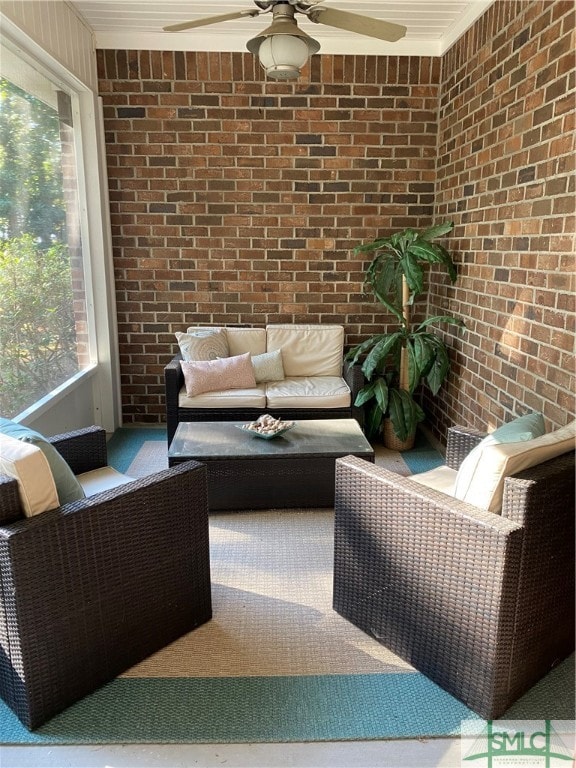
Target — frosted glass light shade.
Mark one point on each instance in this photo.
(282, 56)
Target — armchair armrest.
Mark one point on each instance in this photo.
(10, 508)
(82, 449)
(173, 381)
(461, 440)
(355, 379)
(173, 375)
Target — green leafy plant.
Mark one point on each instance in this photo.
(396, 363)
(37, 328)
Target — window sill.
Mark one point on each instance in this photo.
(56, 395)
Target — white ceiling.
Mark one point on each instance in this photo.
(433, 25)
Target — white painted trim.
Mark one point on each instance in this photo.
(53, 30)
(96, 239)
(472, 13)
(97, 229)
(196, 41)
(33, 53)
(56, 395)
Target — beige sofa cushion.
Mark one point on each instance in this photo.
(308, 350)
(241, 340)
(308, 392)
(29, 467)
(231, 398)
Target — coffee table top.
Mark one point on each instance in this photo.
(222, 439)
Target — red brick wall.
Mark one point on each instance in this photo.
(505, 176)
(236, 200)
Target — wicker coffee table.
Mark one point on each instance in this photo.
(295, 469)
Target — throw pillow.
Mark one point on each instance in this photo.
(28, 466)
(480, 478)
(67, 485)
(216, 375)
(523, 428)
(203, 344)
(268, 366)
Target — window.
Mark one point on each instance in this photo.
(44, 333)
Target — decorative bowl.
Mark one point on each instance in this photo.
(267, 427)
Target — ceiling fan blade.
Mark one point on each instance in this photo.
(211, 20)
(354, 22)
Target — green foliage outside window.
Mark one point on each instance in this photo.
(37, 331)
(37, 326)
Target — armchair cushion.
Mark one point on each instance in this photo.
(493, 462)
(67, 486)
(441, 479)
(29, 467)
(102, 479)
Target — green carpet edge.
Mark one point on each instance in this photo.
(250, 709)
(125, 443)
(280, 709)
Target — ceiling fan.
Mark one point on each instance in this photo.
(283, 48)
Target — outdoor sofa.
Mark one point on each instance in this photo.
(299, 372)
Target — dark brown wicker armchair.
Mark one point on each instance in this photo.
(93, 587)
(482, 604)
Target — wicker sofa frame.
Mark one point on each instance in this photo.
(482, 604)
(91, 588)
(174, 381)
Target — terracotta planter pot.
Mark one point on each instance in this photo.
(393, 442)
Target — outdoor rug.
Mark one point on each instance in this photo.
(276, 663)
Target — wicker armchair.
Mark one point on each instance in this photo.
(482, 604)
(93, 587)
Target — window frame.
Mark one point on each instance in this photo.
(101, 376)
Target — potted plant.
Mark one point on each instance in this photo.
(397, 362)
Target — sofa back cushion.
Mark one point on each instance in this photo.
(29, 467)
(240, 340)
(308, 350)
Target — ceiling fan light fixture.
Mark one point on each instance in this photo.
(283, 48)
(283, 56)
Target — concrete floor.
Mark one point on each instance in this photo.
(425, 753)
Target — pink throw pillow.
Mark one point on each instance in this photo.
(216, 375)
